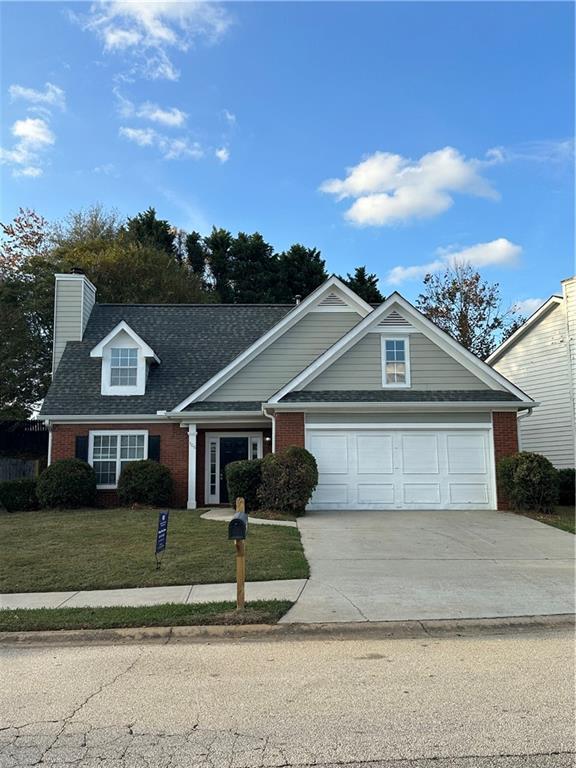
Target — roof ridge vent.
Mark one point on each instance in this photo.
(394, 319)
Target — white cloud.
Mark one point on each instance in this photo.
(230, 117)
(548, 151)
(170, 148)
(223, 154)
(106, 169)
(499, 252)
(388, 189)
(527, 307)
(51, 96)
(34, 137)
(149, 30)
(171, 117)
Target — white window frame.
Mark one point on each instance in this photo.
(122, 389)
(396, 337)
(121, 349)
(118, 433)
(255, 439)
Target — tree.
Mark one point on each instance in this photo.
(86, 225)
(25, 236)
(196, 254)
(365, 285)
(466, 307)
(300, 271)
(146, 229)
(218, 244)
(253, 269)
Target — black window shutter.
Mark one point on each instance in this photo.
(82, 447)
(154, 447)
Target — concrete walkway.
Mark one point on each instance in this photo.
(286, 589)
(224, 515)
(404, 565)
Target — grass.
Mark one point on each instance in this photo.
(268, 514)
(167, 615)
(562, 517)
(48, 551)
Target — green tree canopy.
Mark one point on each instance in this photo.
(147, 229)
(300, 271)
(365, 285)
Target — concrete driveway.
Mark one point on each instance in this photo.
(394, 566)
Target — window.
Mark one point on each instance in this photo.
(123, 367)
(109, 452)
(395, 363)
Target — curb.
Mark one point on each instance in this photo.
(430, 628)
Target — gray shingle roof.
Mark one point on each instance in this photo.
(401, 396)
(193, 343)
(236, 405)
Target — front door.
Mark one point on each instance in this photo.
(231, 449)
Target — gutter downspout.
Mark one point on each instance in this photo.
(522, 415)
(273, 420)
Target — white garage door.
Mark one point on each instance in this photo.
(396, 469)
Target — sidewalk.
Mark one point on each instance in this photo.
(286, 589)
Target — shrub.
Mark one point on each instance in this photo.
(244, 479)
(18, 495)
(529, 481)
(288, 480)
(145, 482)
(67, 483)
(566, 487)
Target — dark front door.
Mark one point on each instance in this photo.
(231, 449)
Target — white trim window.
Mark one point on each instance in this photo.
(109, 451)
(395, 361)
(123, 367)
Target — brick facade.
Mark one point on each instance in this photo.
(505, 432)
(173, 453)
(289, 429)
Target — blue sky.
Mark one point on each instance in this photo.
(396, 135)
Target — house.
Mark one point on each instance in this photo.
(397, 413)
(540, 357)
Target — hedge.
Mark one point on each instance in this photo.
(288, 480)
(529, 481)
(145, 482)
(18, 495)
(67, 483)
(566, 487)
(244, 478)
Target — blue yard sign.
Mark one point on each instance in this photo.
(162, 533)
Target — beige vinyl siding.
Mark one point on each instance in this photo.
(446, 417)
(539, 364)
(286, 356)
(89, 299)
(67, 316)
(361, 368)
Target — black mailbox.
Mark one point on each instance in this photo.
(238, 526)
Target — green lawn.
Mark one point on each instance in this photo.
(562, 517)
(48, 551)
(167, 615)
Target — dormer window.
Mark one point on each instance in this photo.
(123, 367)
(395, 362)
(126, 360)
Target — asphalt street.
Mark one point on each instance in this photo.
(503, 700)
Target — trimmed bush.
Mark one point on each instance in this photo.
(18, 495)
(145, 482)
(68, 483)
(566, 487)
(529, 481)
(288, 480)
(244, 478)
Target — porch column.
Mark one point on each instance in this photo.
(191, 466)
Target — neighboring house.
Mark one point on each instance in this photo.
(540, 357)
(397, 413)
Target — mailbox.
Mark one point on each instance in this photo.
(238, 526)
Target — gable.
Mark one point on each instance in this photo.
(441, 362)
(360, 367)
(287, 356)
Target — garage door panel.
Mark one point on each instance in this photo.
(420, 454)
(374, 454)
(331, 452)
(375, 493)
(403, 468)
(468, 493)
(331, 493)
(422, 493)
(467, 454)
